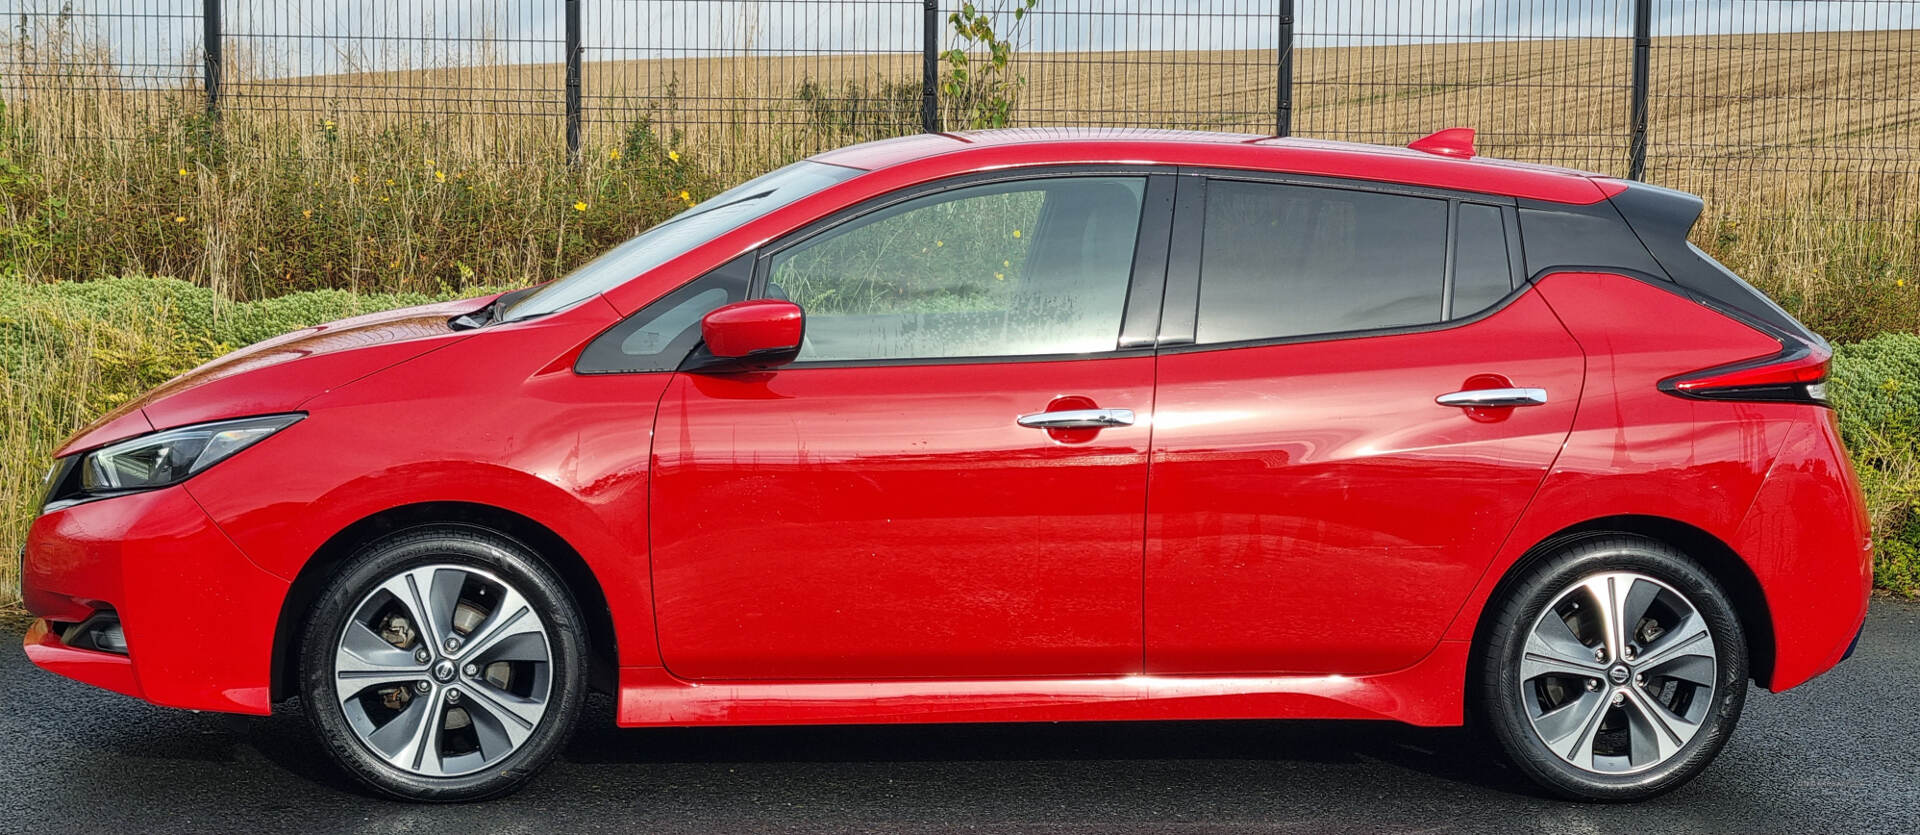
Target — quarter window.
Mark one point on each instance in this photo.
(660, 335)
(1286, 260)
(1482, 273)
(1037, 267)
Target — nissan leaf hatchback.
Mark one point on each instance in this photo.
(1005, 426)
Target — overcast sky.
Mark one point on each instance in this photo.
(303, 37)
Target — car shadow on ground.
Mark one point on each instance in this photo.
(1454, 755)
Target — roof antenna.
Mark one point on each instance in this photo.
(1452, 142)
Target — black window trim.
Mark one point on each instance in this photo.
(1144, 284)
(1179, 325)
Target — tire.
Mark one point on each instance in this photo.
(1649, 708)
(416, 720)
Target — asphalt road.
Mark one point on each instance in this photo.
(1841, 754)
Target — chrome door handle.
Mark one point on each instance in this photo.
(1078, 419)
(1494, 398)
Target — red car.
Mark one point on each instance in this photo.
(1026, 425)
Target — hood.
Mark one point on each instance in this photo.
(282, 373)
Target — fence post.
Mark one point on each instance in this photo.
(573, 82)
(930, 68)
(1642, 49)
(210, 53)
(1283, 110)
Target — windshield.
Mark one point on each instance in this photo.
(723, 212)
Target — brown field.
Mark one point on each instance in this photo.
(445, 180)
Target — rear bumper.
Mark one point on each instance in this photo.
(1809, 542)
(197, 615)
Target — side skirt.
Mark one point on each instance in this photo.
(1429, 693)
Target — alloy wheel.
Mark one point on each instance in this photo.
(1618, 673)
(443, 670)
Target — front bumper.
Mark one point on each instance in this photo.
(198, 616)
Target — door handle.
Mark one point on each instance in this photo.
(1078, 419)
(1494, 398)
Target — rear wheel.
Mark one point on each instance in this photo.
(444, 663)
(1614, 670)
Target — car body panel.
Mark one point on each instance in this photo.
(198, 614)
(279, 374)
(405, 412)
(1314, 510)
(896, 522)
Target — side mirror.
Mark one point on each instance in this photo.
(750, 336)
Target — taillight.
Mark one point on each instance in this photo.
(1797, 374)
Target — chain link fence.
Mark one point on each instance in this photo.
(1806, 101)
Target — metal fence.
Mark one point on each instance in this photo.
(1815, 99)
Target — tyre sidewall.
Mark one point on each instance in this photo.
(1501, 699)
(499, 555)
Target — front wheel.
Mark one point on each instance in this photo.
(444, 663)
(1615, 669)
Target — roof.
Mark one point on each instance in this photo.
(978, 150)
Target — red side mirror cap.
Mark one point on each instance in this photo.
(754, 334)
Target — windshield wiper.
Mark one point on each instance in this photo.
(482, 317)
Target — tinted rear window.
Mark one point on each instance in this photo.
(1286, 260)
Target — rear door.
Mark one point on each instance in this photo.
(950, 481)
(1314, 507)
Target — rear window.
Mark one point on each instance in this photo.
(1282, 260)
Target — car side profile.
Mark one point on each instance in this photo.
(1021, 425)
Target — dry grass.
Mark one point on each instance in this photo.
(439, 180)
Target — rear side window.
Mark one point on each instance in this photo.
(1282, 260)
(1482, 273)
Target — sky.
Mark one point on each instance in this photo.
(158, 40)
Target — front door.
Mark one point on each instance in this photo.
(950, 481)
(1317, 506)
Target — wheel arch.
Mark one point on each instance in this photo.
(566, 561)
(1722, 563)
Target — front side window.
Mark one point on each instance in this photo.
(1030, 268)
(1288, 260)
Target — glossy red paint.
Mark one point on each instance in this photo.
(933, 536)
(1452, 142)
(758, 327)
(1315, 511)
(886, 543)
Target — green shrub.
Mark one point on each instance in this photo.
(1875, 384)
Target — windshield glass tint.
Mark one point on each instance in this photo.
(721, 213)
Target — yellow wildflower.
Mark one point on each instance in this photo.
(389, 181)
(306, 213)
(179, 218)
(579, 205)
(685, 196)
(939, 243)
(429, 163)
(613, 154)
(1016, 233)
(673, 156)
(354, 180)
(183, 172)
(999, 276)
(440, 176)
(1006, 263)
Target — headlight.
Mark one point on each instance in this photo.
(162, 458)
